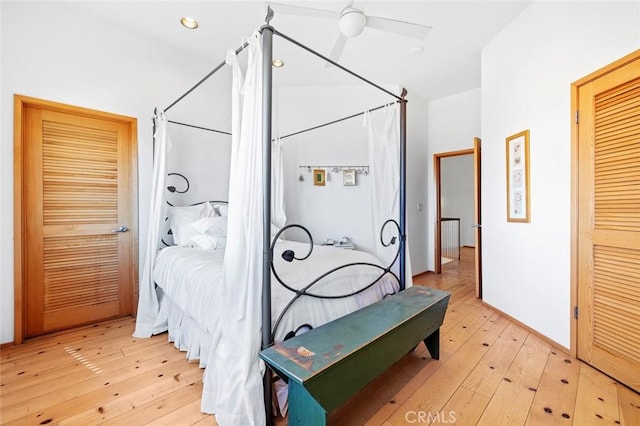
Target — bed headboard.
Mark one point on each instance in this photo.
(182, 186)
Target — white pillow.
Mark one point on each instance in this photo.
(183, 230)
(206, 242)
(215, 226)
(212, 233)
(182, 219)
(221, 209)
(194, 212)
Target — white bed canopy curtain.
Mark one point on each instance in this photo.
(278, 214)
(233, 383)
(148, 320)
(383, 135)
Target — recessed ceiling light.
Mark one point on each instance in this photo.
(189, 22)
(278, 63)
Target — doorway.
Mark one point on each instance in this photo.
(75, 216)
(458, 221)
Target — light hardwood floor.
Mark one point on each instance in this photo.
(490, 372)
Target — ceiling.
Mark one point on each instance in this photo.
(448, 64)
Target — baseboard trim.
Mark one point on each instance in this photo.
(421, 274)
(529, 329)
(6, 345)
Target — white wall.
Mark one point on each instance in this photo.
(456, 184)
(203, 157)
(418, 233)
(50, 52)
(334, 210)
(453, 123)
(6, 224)
(526, 75)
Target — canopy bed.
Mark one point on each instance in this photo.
(228, 326)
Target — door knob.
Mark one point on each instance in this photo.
(476, 225)
(122, 228)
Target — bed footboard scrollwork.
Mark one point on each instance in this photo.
(389, 235)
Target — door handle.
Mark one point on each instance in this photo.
(476, 225)
(122, 228)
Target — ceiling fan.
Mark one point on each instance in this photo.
(352, 22)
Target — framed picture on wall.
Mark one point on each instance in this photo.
(518, 192)
(319, 177)
(349, 177)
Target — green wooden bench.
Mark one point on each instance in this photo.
(327, 365)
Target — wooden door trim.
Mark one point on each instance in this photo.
(436, 168)
(573, 251)
(477, 213)
(20, 104)
(18, 227)
(575, 87)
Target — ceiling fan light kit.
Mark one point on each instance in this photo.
(352, 22)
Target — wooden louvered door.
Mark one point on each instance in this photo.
(77, 212)
(609, 221)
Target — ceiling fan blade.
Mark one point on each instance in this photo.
(289, 9)
(399, 27)
(338, 48)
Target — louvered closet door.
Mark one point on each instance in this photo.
(76, 183)
(609, 223)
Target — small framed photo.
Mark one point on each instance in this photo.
(349, 177)
(518, 198)
(319, 177)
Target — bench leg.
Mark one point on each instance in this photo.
(432, 342)
(303, 408)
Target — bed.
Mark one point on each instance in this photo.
(315, 284)
(217, 299)
(188, 278)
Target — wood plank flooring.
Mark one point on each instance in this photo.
(490, 372)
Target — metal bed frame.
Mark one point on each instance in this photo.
(267, 32)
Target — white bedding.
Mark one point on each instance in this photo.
(188, 277)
